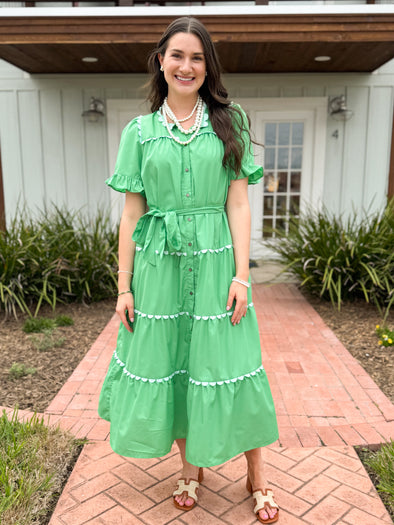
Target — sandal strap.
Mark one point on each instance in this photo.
(262, 498)
(190, 488)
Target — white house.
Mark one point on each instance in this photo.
(283, 63)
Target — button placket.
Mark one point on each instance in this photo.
(189, 232)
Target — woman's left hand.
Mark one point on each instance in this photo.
(239, 293)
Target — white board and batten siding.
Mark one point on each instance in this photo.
(50, 154)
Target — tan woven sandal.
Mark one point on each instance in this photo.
(264, 500)
(190, 487)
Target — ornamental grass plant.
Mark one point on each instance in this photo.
(57, 255)
(340, 258)
(34, 462)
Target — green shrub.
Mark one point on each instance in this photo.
(38, 324)
(63, 320)
(47, 340)
(19, 370)
(342, 259)
(57, 256)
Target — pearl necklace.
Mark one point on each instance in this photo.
(167, 112)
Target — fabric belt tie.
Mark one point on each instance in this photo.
(169, 232)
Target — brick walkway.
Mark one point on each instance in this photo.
(325, 403)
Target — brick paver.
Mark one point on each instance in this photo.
(325, 403)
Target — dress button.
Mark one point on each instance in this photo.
(189, 219)
(187, 194)
(190, 269)
(187, 169)
(189, 243)
(191, 293)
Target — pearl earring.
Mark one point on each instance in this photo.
(161, 68)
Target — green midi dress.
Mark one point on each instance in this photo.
(185, 371)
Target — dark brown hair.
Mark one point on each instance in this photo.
(227, 120)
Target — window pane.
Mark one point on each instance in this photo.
(296, 158)
(281, 205)
(270, 134)
(271, 184)
(267, 227)
(284, 134)
(280, 224)
(282, 178)
(269, 158)
(268, 205)
(295, 182)
(298, 133)
(283, 158)
(295, 204)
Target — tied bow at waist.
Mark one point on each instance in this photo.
(169, 232)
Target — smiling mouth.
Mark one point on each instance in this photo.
(184, 79)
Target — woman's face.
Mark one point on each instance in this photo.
(184, 65)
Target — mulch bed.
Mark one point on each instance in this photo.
(54, 366)
(354, 325)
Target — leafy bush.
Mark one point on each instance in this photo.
(58, 256)
(341, 259)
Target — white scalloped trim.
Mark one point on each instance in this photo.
(150, 139)
(179, 372)
(179, 314)
(184, 254)
(226, 381)
(216, 250)
(146, 379)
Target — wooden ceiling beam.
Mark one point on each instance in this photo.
(240, 28)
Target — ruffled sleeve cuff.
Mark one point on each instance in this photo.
(127, 174)
(253, 172)
(125, 183)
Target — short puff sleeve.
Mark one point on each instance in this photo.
(127, 174)
(248, 167)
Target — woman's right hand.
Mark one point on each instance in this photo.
(125, 305)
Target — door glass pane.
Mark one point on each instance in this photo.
(267, 227)
(270, 134)
(296, 158)
(282, 181)
(283, 158)
(297, 133)
(295, 181)
(284, 134)
(295, 204)
(269, 158)
(269, 204)
(283, 172)
(281, 205)
(271, 183)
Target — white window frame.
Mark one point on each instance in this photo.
(311, 110)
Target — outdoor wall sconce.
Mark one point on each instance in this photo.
(95, 111)
(338, 110)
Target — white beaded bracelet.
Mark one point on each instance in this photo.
(240, 281)
(125, 271)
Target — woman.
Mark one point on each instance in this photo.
(187, 365)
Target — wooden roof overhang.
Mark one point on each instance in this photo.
(253, 40)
